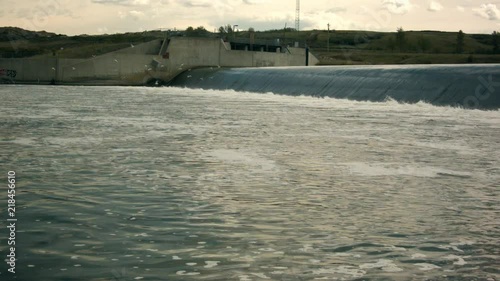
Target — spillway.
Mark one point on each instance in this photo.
(469, 86)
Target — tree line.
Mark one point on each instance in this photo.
(400, 42)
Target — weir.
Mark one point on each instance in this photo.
(468, 86)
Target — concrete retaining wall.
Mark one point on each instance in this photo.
(138, 64)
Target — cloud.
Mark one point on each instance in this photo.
(124, 2)
(253, 2)
(133, 15)
(488, 11)
(460, 9)
(397, 6)
(435, 6)
(136, 15)
(196, 3)
(336, 10)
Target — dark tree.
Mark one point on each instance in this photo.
(495, 42)
(460, 42)
(196, 32)
(424, 44)
(391, 44)
(200, 30)
(401, 39)
(226, 29)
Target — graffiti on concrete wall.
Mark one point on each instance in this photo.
(8, 73)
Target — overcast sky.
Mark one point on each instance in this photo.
(110, 16)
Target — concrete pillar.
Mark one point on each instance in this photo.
(278, 50)
(262, 49)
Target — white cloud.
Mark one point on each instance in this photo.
(488, 11)
(196, 3)
(254, 2)
(124, 2)
(460, 9)
(397, 6)
(435, 6)
(336, 10)
(140, 2)
(134, 15)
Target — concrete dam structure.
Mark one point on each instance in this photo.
(468, 86)
(157, 60)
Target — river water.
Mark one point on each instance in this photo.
(123, 183)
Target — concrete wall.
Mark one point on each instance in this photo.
(148, 48)
(235, 58)
(129, 66)
(115, 65)
(138, 64)
(35, 70)
(184, 51)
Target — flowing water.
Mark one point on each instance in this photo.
(121, 183)
(473, 86)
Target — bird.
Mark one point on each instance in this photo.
(116, 60)
(53, 68)
(73, 68)
(131, 45)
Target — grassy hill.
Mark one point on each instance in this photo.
(16, 42)
(345, 47)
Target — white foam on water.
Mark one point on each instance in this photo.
(418, 256)
(185, 273)
(383, 264)
(72, 141)
(211, 264)
(24, 141)
(389, 105)
(266, 249)
(427, 266)
(233, 156)
(343, 269)
(401, 169)
(457, 260)
(260, 275)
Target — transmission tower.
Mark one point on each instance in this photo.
(297, 16)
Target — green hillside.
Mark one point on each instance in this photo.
(345, 47)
